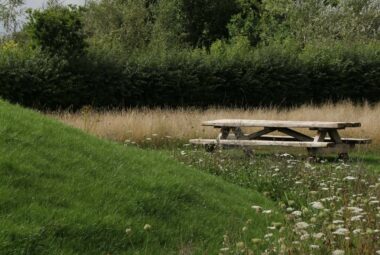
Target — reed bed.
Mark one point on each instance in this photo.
(158, 125)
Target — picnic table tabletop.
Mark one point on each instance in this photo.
(279, 124)
(327, 137)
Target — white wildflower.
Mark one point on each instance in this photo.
(356, 218)
(314, 247)
(240, 245)
(297, 213)
(338, 252)
(318, 235)
(267, 211)
(268, 235)
(302, 225)
(341, 231)
(147, 227)
(317, 205)
(355, 210)
(290, 209)
(256, 208)
(349, 178)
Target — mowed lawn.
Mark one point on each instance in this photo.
(65, 192)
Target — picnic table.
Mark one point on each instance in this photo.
(326, 138)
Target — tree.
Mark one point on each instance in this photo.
(205, 21)
(120, 23)
(57, 30)
(247, 21)
(9, 12)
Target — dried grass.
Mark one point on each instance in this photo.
(138, 125)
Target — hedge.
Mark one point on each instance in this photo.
(39, 81)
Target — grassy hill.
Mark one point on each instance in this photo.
(65, 192)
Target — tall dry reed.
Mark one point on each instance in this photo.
(140, 125)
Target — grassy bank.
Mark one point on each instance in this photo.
(160, 127)
(65, 192)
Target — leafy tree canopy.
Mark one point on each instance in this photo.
(57, 30)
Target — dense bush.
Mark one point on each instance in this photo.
(276, 75)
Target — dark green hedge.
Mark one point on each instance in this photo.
(38, 81)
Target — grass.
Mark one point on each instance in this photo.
(65, 192)
(175, 126)
(331, 207)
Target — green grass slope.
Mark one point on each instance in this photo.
(65, 192)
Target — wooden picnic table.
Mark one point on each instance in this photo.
(326, 138)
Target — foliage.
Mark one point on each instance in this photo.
(119, 24)
(230, 75)
(311, 20)
(246, 22)
(205, 21)
(195, 53)
(57, 30)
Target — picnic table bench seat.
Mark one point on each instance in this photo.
(261, 143)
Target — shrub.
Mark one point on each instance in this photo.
(230, 75)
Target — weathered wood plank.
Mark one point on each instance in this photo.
(239, 133)
(297, 135)
(263, 143)
(334, 135)
(321, 136)
(260, 133)
(279, 124)
(327, 139)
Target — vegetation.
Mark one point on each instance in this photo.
(65, 192)
(160, 128)
(331, 207)
(194, 53)
(162, 64)
(57, 31)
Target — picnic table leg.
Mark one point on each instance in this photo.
(320, 137)
(224, 132)
(241, 136)
(312, 152)
(335, 137)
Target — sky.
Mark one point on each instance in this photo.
(40, 3)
